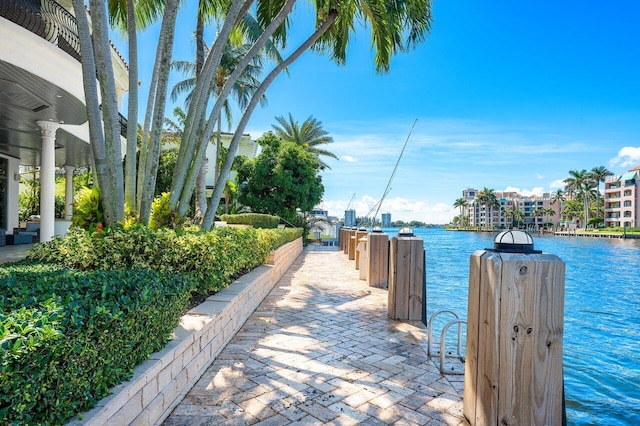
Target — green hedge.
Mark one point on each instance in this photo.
(67, 336)
(83, 310)
(213, 258)
(257, 220)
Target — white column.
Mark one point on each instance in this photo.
(47, 179)
(68, 192)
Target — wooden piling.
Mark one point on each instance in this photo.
(377, 260)
(406, 275)
(513, 368)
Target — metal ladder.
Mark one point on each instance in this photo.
(443, 346)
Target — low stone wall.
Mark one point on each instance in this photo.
(161, 382)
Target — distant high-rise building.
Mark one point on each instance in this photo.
(350, 218)
(386, 220)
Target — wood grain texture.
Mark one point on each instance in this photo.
(513, 371)
(378, 260)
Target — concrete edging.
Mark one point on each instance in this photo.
(162, 381)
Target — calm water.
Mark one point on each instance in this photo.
(601, 319)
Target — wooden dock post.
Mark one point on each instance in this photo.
(406, 277)
(513, 368)
(377, 259)
(351, 249)
(360, 233)
(361, 259)
(345, 240)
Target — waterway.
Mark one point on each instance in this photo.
(601, 314)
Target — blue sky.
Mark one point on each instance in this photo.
(507, 94)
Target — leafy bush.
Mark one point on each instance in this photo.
(162, 215)
(68, 336)
(87, 209)
(257, 220)
(76, 325)
(213, 258)
(278, 237)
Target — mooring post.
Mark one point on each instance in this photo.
(360, 233)
(377, 259)
(513, 368)
(361, 259)
(352, 244)
(406, 271)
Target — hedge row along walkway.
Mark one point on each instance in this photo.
(320, 350)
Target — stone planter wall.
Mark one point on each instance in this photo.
(161, 382)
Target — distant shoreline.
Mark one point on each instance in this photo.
(589, 234)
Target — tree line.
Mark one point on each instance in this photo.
(257, 31)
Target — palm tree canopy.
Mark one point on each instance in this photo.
(309, 135)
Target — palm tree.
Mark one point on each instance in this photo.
(309, 135)
(460, 203)
(510, 213)
(599, 174)
(396, 26)
(488, 199)
(242, 90)
(580, 183)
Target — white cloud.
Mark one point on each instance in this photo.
(349, 159)
(628, 156)
(557, 184)
(539, 176)
(538, 191)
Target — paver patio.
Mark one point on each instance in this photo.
(320, 350)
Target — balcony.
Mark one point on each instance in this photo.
(47, 19)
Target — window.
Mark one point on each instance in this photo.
(627, 192)
(4, 166)
(627, 203)
(627, 214)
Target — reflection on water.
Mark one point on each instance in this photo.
(602, 314)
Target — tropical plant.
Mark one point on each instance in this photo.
(394, 27)
(487, 198)
(88, 212)
(242, 90)
(581, 183)
(309, 135)
(599, 174)
(281, 180)
(460, 203)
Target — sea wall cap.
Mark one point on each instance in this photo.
(514, 242)
(405, 232)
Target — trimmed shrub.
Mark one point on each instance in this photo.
(99, 303)
(67, 337)
(257, 220)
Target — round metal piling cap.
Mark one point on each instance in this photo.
(514, 242)
(405, 232)
(376, 229)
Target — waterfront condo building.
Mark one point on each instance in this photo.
(622, 199)
(530, 211)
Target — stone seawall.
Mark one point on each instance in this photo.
(161, 382)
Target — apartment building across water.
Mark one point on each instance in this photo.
(534, 210)
(622, 199)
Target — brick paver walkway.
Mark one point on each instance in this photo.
(320, 350)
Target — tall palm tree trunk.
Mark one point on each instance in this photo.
(185, 182)
(198, 105)
(103, 127)
(153, 156)
(255, 99)
(132, 113)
